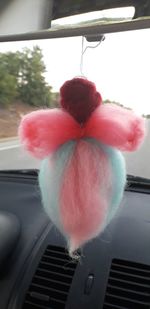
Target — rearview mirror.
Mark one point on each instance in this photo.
(22, 16)
(41, 19)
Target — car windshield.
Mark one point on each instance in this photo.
(31, 73)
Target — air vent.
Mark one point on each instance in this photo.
(128, 286)
(52, 280)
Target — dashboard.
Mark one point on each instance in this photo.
(110, 272)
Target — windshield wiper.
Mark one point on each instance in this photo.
(27, 175)
(138, 184)
(132, 178)
(31, 172)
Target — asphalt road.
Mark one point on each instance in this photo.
(12, 156)
(138, 162)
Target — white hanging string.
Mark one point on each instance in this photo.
(83, 51)
(82, 54)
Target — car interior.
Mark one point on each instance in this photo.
(113, 270)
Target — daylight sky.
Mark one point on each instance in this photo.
(120, 66)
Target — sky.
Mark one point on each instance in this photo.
(119, 66)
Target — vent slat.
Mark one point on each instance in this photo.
(128, 286)
(131, 264)
(58, 261)
(129, 291)
(29, 296)
(135, 284)
(48, 289)
(128, 294)
(131, 268)
(52, 280)
(39, 296)
(48, 265)
(65, 276)
(62, 259)
(110, 306)
(129, 300)
(32, 305)
(54, 303)
(51, 248)
(56, 253)
(129, 274)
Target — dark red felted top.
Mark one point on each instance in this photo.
(79, 98)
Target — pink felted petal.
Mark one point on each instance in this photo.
(43, 131)
(116, 127)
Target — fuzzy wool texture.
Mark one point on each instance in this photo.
(83, 215)
(42, 132)
(50, 179)
(81, 199)
(82, 175)
(79, 98)
(117, 127)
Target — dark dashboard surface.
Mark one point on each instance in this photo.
(113, 271)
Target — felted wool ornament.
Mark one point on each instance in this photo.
(82, 175)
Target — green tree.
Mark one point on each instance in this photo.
(11, 62)
(8, 86)
(107, 101)
(146, 116)
(22, 76)
(33, 88)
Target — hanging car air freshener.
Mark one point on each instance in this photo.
(82, 175)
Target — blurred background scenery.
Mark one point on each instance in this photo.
(31, 73)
